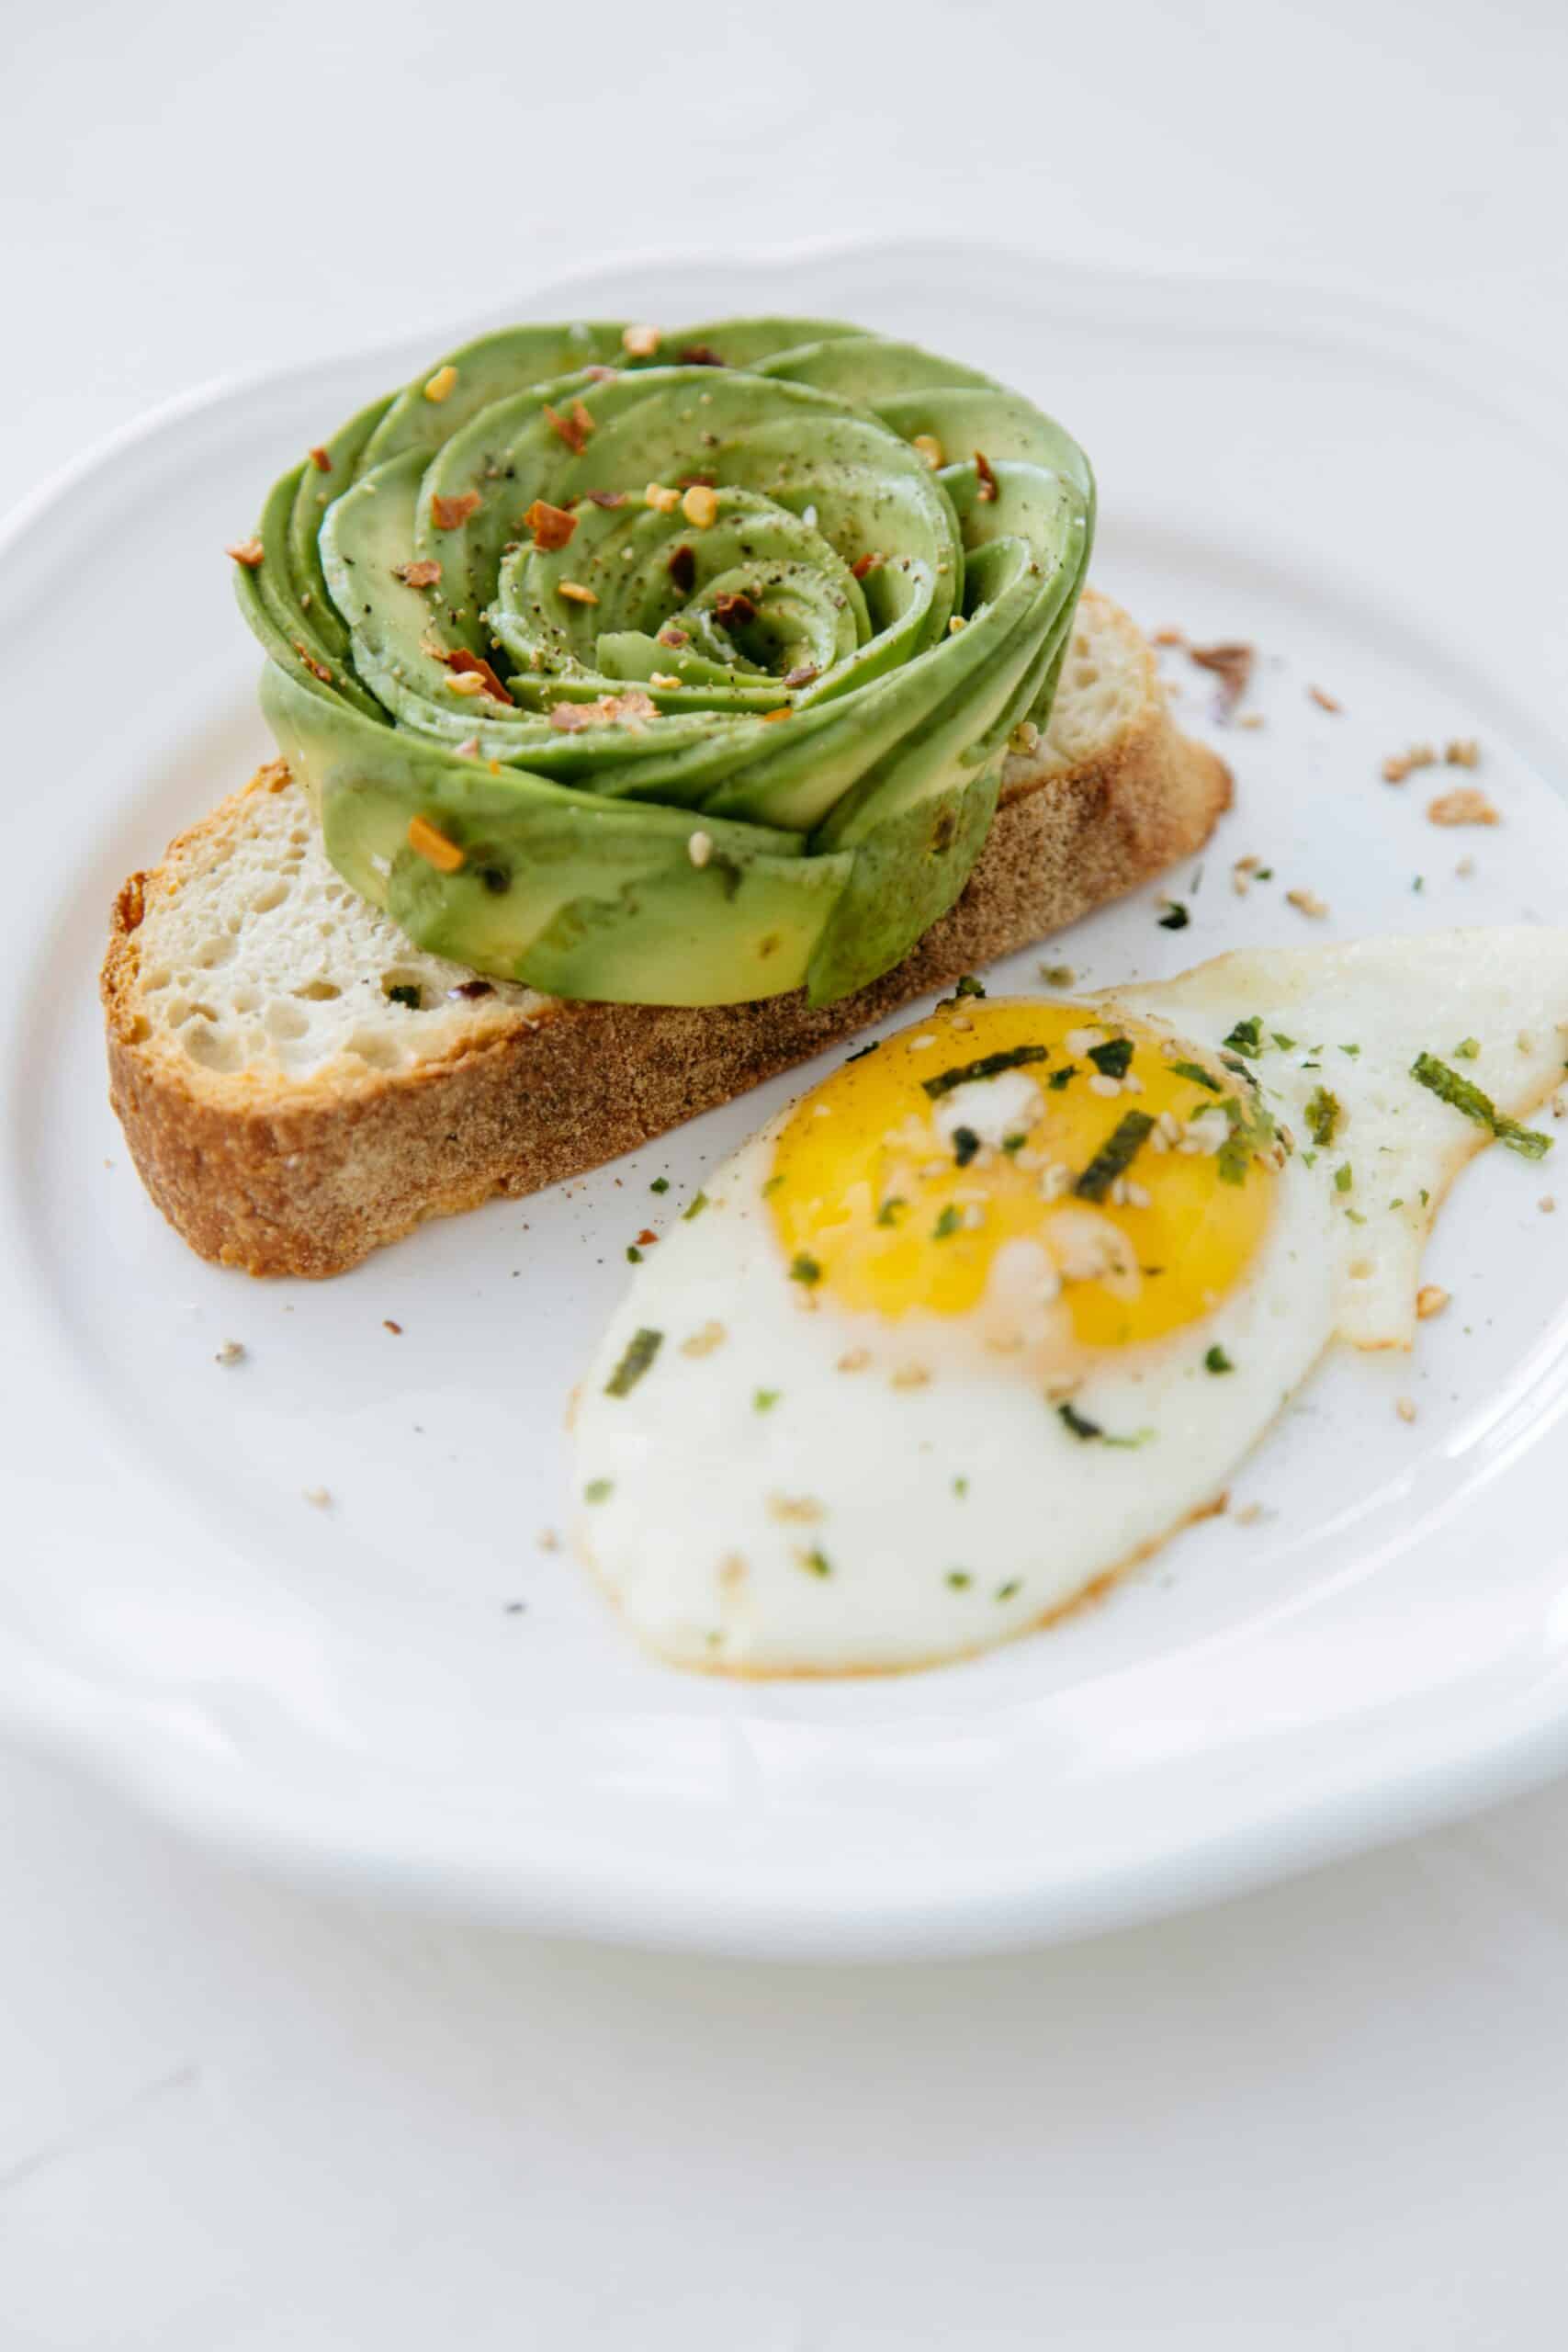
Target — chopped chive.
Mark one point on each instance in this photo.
(1013, 1143)
(1216, 1359)
(805, 1269)
(960, 1579)
(772, 1185)
(968, 985)
(1351, 1050)
(1450, 1087)
(987, 1066)
(1080, 1425)
(1247, 1037)
(861, 1055)
(764, 1399)
(1058, 1079)
(598, 1490)
(1468, 1050)
(1114, 1059)
(1286, 1045)
(402, 994)
(946, 1224)
(1176, 917)
(888, 1213)
(633, 1255)
(817, 1560)
(693, 1207)
(1114, 1156)
(1343, 1179)
(641, 1349)
(659, 1185)
(960, 1488)
(1200, 1077)
(966, 1143)
(1006, 1592)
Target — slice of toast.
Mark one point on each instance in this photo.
(289, 1113)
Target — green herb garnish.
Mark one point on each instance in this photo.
(1468, 1050)
(966, 1143)
(699, 1202)
(1114, 1157)
(947, 1223)
(1323, 1113)
(1251, 1127)
(1013, 1143)
(960, 1488)
(1199, 1076)
(817, 1560)
(659, 1185)
(1351, 1050)
(1114, 1059)
(967, 985)
(862, 1054)
(1059, 1078)
(1006, 1592)
(1247, 1037)
(988, 1066)
(633, 1255)
(1082, 1427)
(641, 1349)
(888, 1213)
(1057, 976)
(598, 1490)
(1216, 1359)
(1176, 917)
(1286, 1045)
(1343, 1179)
(960, 1579)
(764, 1399)
(1449, 1087)
(805, 1269)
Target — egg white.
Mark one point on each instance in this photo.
(791, 1488)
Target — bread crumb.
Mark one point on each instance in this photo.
(1307, 902)
(1430, 1299)
(1406, 1407)
(1400, 764)
(1249, 1514)
(1323, 700)
(319, 1497)
(388, 1325)
(1547, 1204)
(548, 1539)
(1468, 805)
(1464, 751)
(231, 1352)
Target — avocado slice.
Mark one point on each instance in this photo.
(695, 671)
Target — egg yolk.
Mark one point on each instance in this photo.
(1143, 1169)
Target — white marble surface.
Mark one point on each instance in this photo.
(233, 2118)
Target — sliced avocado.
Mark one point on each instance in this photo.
(701, 679)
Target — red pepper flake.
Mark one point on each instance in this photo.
(574, 429)
(986, 490)
(320, 459)
(425, 573)
(865, 563)
(599, 374)
(696, 481)
(699, 355)
(607, 497)
(473, 665)
(248, 552)
(734, 612)
(473, 988)
(1324, 701)
(552, 525)
(317, 669)
(1231, 665)
(806, 675)
(645, 1236)
(388, 1325)
(671, 635)
(446, 513)
(683, 568)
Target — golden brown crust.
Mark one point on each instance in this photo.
(310, 1179)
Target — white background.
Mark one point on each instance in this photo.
(234, 2117)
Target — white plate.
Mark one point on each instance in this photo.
(356, 1693)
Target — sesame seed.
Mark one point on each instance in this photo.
(700, 506)
(575, 592)
(1406, 1407)
(699, 848)
(639, 341)
(1100, 1085)
(439, 386)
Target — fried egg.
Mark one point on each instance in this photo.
(1001, 1303)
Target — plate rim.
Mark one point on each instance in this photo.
(87, 1730)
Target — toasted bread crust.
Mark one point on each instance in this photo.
(311, 1178)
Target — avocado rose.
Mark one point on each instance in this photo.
(673, 668)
